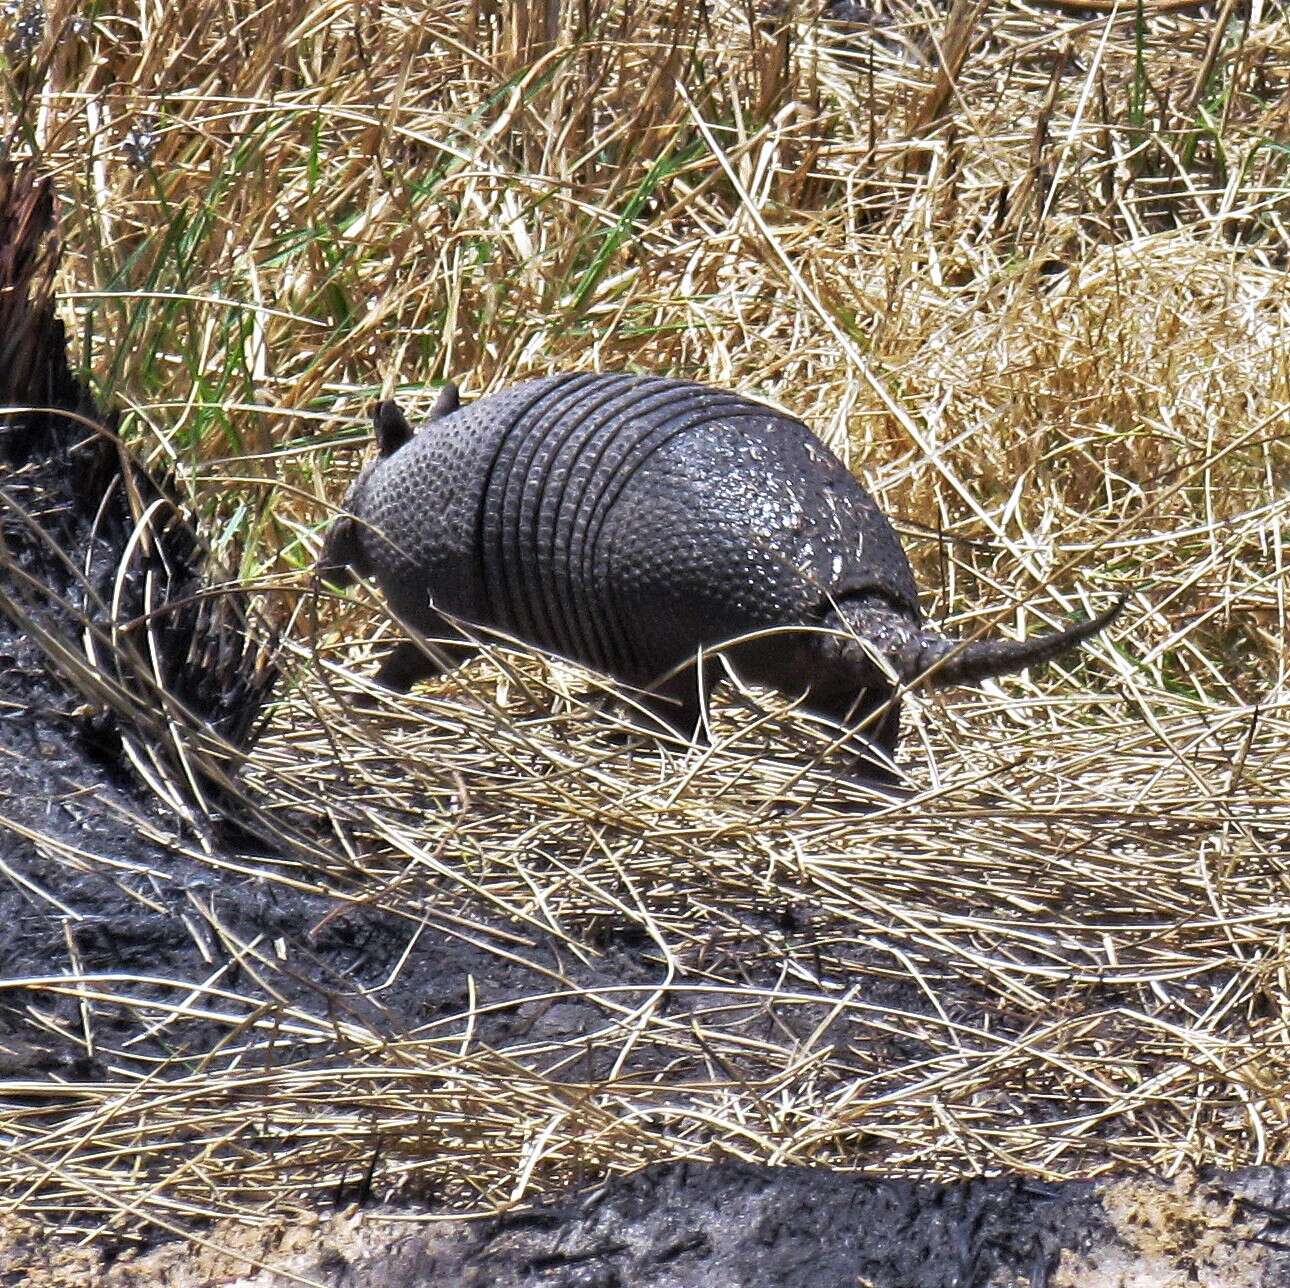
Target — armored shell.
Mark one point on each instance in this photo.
(624, 520)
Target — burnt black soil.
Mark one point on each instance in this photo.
(686, 1226)
(732, 1225)
(102, 876)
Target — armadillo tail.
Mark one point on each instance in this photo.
(953, 662)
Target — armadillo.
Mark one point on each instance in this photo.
(633, 523)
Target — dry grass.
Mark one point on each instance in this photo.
(1042, 302)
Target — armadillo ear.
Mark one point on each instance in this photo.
(447, 402)
(392, 428)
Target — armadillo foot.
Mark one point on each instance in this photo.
(410, 662)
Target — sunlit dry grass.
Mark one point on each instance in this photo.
(1040, 302)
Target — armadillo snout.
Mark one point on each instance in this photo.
(339, 553)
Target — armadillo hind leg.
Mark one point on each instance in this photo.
(679, 702)
(402, 667)
(873, 717)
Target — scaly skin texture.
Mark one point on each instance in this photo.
(627, 522)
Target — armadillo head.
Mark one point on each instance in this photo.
(918, 655)
(342, 553)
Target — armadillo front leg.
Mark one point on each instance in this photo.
(411, 661)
